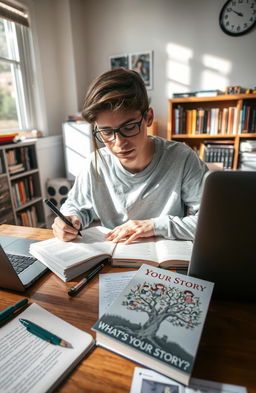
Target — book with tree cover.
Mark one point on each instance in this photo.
(157, 321)
(69, 259)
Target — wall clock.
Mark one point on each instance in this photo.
(237, 17)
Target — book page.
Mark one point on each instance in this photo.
(155, 249)
(173, 250)
(141, 250)
(30, 364)
(110, 286)
(67, 254)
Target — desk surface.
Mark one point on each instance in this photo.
(227, 351)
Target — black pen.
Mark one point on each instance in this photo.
(85, 280)
(59, 214)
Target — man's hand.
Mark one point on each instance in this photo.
(131, 230)
(65, 232)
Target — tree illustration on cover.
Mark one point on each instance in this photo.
(162, 303)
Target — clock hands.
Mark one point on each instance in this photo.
(238, 13)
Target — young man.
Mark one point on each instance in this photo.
(137, 185)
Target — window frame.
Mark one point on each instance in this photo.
(22, 77)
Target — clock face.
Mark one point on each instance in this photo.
(237, 17)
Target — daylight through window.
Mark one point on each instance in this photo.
(15, 112)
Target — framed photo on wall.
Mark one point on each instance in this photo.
(142, 63)
(119, 61)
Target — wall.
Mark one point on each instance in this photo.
(58, 38)
(190, 50)
(76, 37)
(50, 161)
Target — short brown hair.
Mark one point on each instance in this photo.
(119, 89)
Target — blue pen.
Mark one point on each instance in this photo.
(9, 312)
(44, 334)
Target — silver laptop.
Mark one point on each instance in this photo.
(18, 268)
(224, 249)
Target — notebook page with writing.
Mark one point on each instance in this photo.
(32, 364)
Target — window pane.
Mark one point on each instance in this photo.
(3, 41)
(8, 40)
(8, 107)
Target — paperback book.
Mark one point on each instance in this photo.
(157, 321)
(69, 259)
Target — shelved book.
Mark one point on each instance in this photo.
(201, 120)
(69, 259)
(157, 321)
(219, 151)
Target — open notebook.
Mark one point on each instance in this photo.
(33, 365)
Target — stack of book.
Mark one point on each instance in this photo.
(199, 93)
(7, 138)
(247, 156)
(19, 160)
(76, 118)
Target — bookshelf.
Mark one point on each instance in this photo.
(21, 201)
(201, 121)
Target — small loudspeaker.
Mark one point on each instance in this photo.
(57, 190)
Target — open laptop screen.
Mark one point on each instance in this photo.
(224, 248)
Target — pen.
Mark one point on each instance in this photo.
(9, 312)
(85, 280)
(44, 334)
(59, 214)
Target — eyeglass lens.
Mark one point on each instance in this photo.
(127, 131)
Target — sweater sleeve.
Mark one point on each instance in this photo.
(79, 202)
(175, 227)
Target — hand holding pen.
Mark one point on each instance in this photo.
(64, 228)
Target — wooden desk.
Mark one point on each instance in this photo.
(227, 351)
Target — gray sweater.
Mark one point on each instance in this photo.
(163, 191)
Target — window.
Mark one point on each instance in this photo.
(16, 101)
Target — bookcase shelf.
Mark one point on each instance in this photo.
(220, 121)
(21, 201)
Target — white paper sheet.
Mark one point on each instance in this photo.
(29, 364)
(110, 286)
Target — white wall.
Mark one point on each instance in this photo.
(57, 30)
(76, 37)
(190, 50)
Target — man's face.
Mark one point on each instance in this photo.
(134, 153)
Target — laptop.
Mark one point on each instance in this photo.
(18, 268)
(224, 249)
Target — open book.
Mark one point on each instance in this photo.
(69, 259)
(33, 365)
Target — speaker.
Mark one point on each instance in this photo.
(57, 190)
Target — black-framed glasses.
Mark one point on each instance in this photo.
(127, 131)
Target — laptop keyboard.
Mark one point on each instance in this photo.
(20, 262)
